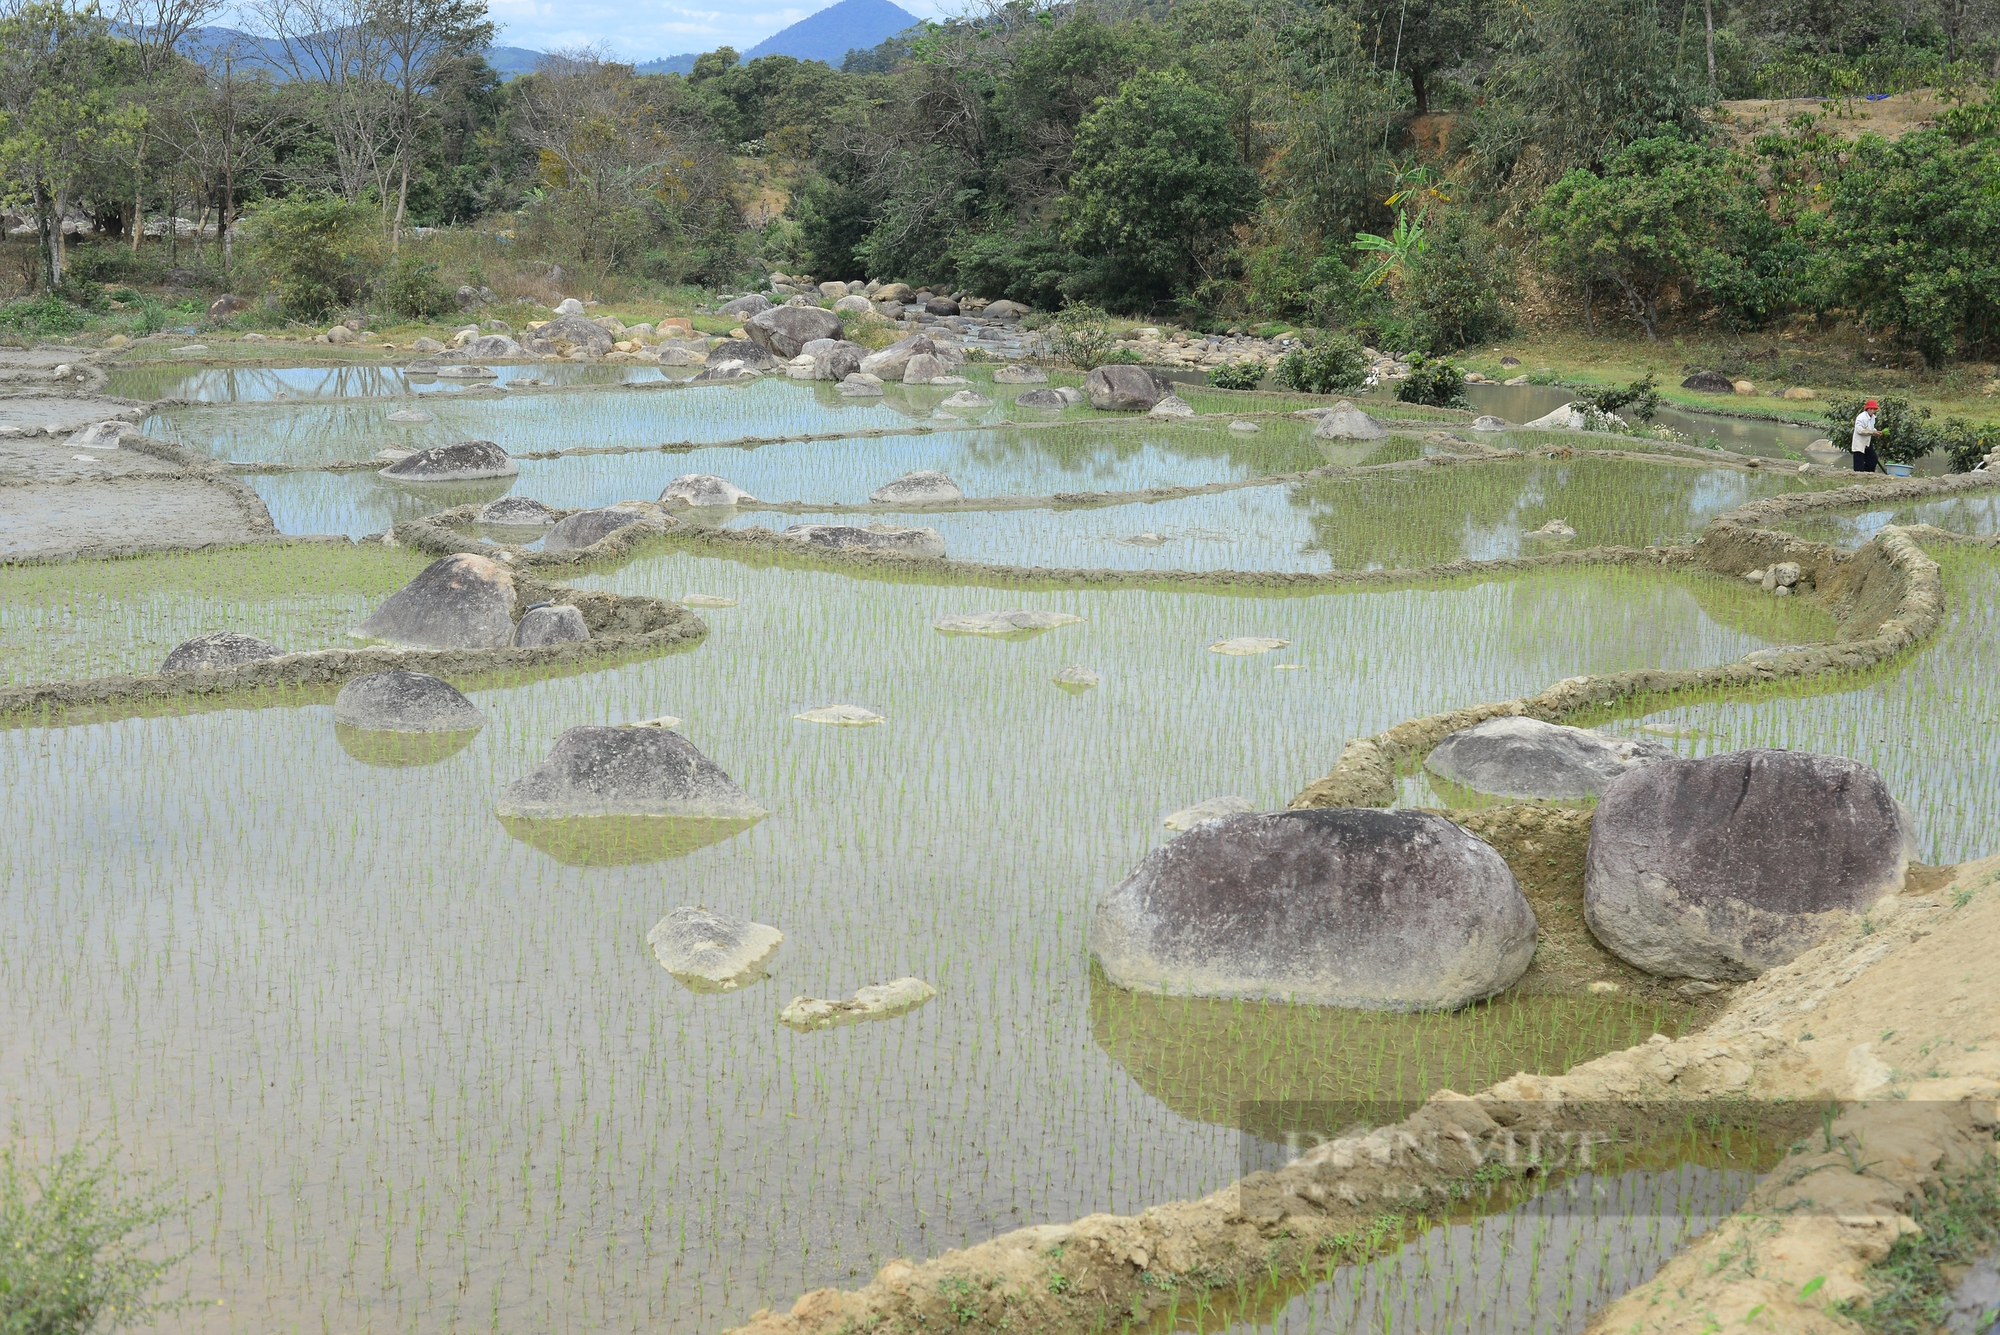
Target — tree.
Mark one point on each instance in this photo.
(316, 250)
(1422, 37)
(58, 111)
(1665, 213)
(1914, 229)
(1157, 186)
(424, 40)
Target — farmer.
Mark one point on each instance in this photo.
(1864, 438)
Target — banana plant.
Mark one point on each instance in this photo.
(1394, 252)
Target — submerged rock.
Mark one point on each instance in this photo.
(712, 952)
(753, 355)
(1041, 398)
(586, 527)
(410, 417)
(966, 398)
(97, 436)
(219, 650)
(1525, 757)
(1010, 622)
(1239, 646)
(519, 512)
(550, 624)
(877, 1001)
(596, 771)
(1347, 422)
(398, 701)
(840, 716)
(1189, 817)
(1375, 910)
(1076, 678)
(909, 541)
(706, 600)
(703, 491)
(1558, 529)
(1171, 406)
(455, 602)
(1020, 374)
(1247, 428)
(1126, 389)
(460, 462)
(1730, 865)
(926, 486)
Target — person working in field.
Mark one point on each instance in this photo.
(1864, 438)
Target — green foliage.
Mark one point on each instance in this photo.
(1433, 382)
(1909, 432)
(1156, 186)
(1642, 396)
(1324, 363)
(315, 251)
(1453, 291)
(1028, 264)
(1237, 375)
(1911, 1288)
(1665, 214)
(43, 315)
(1081, 335)
(74, 1246)
(1915, 227)
(413, 289)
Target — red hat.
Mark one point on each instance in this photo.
(1871, 405)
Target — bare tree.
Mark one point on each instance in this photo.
(157, 29)
(423, 38)
(337, 63)
(222, 127)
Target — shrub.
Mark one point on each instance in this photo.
(43, 315)
(1908, 433)
(1325, 363)
(413, 288)
(1081, 335)
(73, 1247)
(1434, 383)
(1239, 375)
(1642, 396)
(315, 250)
(1452, 297)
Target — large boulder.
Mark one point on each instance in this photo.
(890, 362)
(1525, 757)
(496, 346)
(219, 650)
(598, 771)
(1005, 310)
(730, 371)
(924, 487)
(576, 331)
(1355, 907)
(838, 360)
(908, 541)
(1733, 864)
(924, 368)
(550, 623)
(1347, 422)
(785, 330)
(398, 701)
(585, 527)
(855, 302)
(1123, 389)
(455, 602)
(1709, 382)
(753, 355)
(860, 385)
(703, 491)
(744, 307)
(226, 306)
(518, 512)
(712, 952)
(895, 292)
(1020, 374)
(940, 306)
(461, 462)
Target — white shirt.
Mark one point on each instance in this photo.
(1864, 423)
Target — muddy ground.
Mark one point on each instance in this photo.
(59, 500)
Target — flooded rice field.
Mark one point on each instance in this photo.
(418, 1070)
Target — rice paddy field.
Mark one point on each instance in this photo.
(416, 1069)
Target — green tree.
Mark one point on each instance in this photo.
(59, 111)
(1665, 214)
(316, 251)
(1913, 227)
(1422, 37)
(1452, 292)
(1157, 186)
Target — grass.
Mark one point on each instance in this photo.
(1911, 1288)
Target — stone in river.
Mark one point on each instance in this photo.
(1012, 622)
(840, 716)
(586, 527)
(1237, 646)
(703, 491)
(455, 602)
(398, 701)
(518, 512)
(599, 771)
(877, 1001)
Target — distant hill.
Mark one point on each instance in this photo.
(830, 34)
(850, 25)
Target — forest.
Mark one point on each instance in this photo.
(1415, 172)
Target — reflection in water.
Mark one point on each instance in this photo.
(1524, 403)
(401, 750)
(1974, 516)
(258, 384)
(619, 841)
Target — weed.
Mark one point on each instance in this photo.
(1911, 1287)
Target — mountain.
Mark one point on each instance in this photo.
(830, 34)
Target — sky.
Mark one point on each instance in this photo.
(643, 32)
